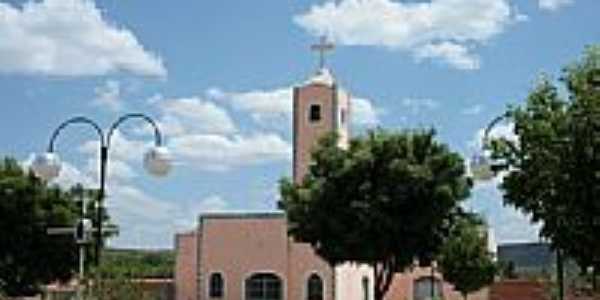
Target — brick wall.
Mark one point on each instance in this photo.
(517, 290)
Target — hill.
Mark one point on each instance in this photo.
(140, 263)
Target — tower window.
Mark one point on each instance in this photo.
(342, 116)
(216, 286)
(314, 113)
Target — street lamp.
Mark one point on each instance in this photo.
(482, 165)
(157, 161)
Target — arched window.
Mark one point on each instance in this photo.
(263, 286)
(365, 288)
(427, 286)
(314, 289)
(215, 288)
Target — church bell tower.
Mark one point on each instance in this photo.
(320, 107)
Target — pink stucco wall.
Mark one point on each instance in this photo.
(185, 266)
(302, 263)
(240, 245)
(402, 287)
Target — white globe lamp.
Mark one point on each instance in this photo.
(481, 167)
(46, 166)
(158, 161)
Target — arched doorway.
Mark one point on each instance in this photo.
(422, 288)
(263, 286)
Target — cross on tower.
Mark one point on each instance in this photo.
(322, 47)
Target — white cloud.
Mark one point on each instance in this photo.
(109, 95)
(419, 105)
(453, 54)
(554, 5)
(275, 105)
(188, 212)
(194, 115)
(444, 29)
(473, 110)
(264, 104)
(118, 170)
(202, 134)
(121, 147)
(143, 220)
(218, 152)
(154, 99)
(212, 203)
(364, 113)
(69, 38)
(215, 93)
(509, 224)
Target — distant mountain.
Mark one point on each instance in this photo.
(141, 263)
(527, 255)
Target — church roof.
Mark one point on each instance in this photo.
(243, 215)
(323, 76)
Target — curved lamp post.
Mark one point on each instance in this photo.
(157, 161)
(482, 166)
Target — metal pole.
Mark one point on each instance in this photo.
(99, 208)
(81, 248)
(432, 282)
(81, 271)
(560, 275)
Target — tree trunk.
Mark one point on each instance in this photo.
(560, 275)
(465, 296)
(383, 276)
(595, 279)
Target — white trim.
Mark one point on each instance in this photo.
(277, 274)
(207, 287)
(307, 276)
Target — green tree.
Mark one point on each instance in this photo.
(29, 257)
(384, 201)
(121, 283)
(552, 166)
(465, 260)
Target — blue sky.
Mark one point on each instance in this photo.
(216, 75)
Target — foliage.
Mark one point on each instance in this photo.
(140, 264)
(28, 256)
(465, 260)
(384, 201)
(553, 164)
(116, 284)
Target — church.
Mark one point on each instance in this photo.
(251, 256)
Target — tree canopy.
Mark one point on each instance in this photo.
(29, 257)
(465, 260)
(552, 166)
(386, 200)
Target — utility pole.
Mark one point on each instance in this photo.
(81, 232)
